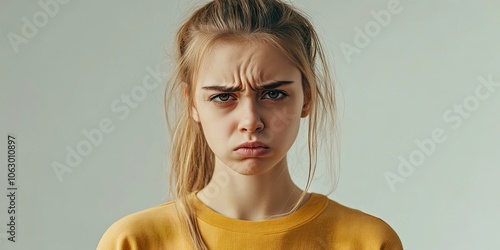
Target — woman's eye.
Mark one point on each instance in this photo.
(225, 97)
(276, 95)
(221, 97)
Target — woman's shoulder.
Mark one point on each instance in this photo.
(360, 228)
(145, 229)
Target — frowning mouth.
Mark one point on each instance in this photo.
(252, 145)
(252, 152)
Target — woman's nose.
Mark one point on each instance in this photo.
(250, 117)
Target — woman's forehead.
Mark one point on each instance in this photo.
(235, 64)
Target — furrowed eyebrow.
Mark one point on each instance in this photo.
(271, 85)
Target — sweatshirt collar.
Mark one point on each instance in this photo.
(310, 210)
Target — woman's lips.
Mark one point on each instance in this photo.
(252, 152)
(252, 144)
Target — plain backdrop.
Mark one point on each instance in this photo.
(421, 86)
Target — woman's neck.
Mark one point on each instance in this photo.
(251, 197)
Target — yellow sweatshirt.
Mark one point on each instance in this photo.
(319, 224)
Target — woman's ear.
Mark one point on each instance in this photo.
(306, 108)
(194, 111)
(194, 114)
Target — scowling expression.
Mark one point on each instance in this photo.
(249, 92)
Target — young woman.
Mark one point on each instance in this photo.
(247, 72)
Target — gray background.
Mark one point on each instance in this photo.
(394, 92)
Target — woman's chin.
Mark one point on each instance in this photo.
(251, 167)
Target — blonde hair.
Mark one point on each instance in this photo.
(271, 21)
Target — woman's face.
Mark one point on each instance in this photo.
(248, 93)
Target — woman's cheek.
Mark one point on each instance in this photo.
(218, 130)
